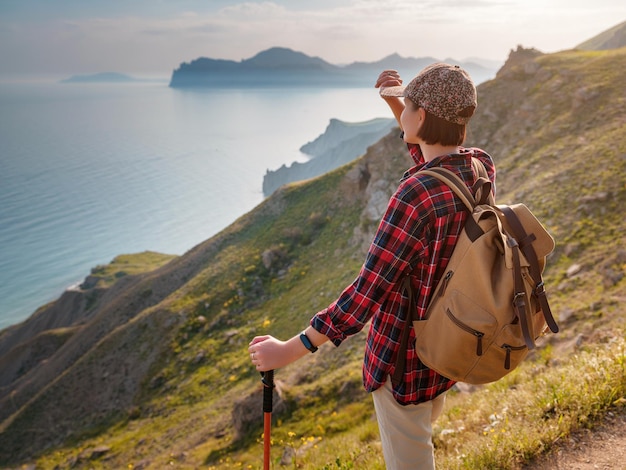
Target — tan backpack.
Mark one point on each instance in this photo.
(490, 305)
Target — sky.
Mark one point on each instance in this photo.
(152, 37)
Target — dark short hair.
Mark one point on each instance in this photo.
(439, 131)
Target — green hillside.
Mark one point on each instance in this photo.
(154, 370)
(612, 38)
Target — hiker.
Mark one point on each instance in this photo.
(416, 235)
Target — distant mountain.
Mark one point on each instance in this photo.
(613, 38)
(283, 58)
(490, 64)
(393, 61)
(284, 67)
(410, 66)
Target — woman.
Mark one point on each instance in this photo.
(416, 236)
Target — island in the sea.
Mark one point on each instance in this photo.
(283, 67)
(107, 77)
(103, 77)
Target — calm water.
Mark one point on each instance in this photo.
(91, 171)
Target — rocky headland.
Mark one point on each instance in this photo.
(340, 143)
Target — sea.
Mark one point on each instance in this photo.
(92, 170)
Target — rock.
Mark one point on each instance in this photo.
(93, 453)
(199, 357)
(357, 179)
(378, 201)
(90, 282)
(573, 270)
(565, 315)
(247, 411)
(145, 463)
(287, 458)
(522, 57)
(273, 257)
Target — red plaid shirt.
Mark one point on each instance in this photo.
(417, 235)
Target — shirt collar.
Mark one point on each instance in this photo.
(461, 159)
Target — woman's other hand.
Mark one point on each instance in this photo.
(268, 353)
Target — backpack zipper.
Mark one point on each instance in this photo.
(509, 348)
(479, 334)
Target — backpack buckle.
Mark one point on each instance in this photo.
(519, 300)
(540, 289)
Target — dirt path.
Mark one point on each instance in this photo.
(602, 448)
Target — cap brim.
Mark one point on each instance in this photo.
(390, 91)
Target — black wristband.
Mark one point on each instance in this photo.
(307, 343)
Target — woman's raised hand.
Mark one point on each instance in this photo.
(388, 78)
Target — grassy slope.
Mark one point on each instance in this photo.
(556, 131)
(607, 39)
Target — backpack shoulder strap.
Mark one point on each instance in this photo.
(455, 183)
(479, 168)
(527, 249)
(483, 191)
(482, 187)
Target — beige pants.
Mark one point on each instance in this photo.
(406, 431)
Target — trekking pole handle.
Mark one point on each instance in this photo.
(268, 390)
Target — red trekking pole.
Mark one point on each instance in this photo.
(268, 391)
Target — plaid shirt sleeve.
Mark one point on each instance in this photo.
(416, 235)
(396, 241)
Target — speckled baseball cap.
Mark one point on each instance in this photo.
(442, 89)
